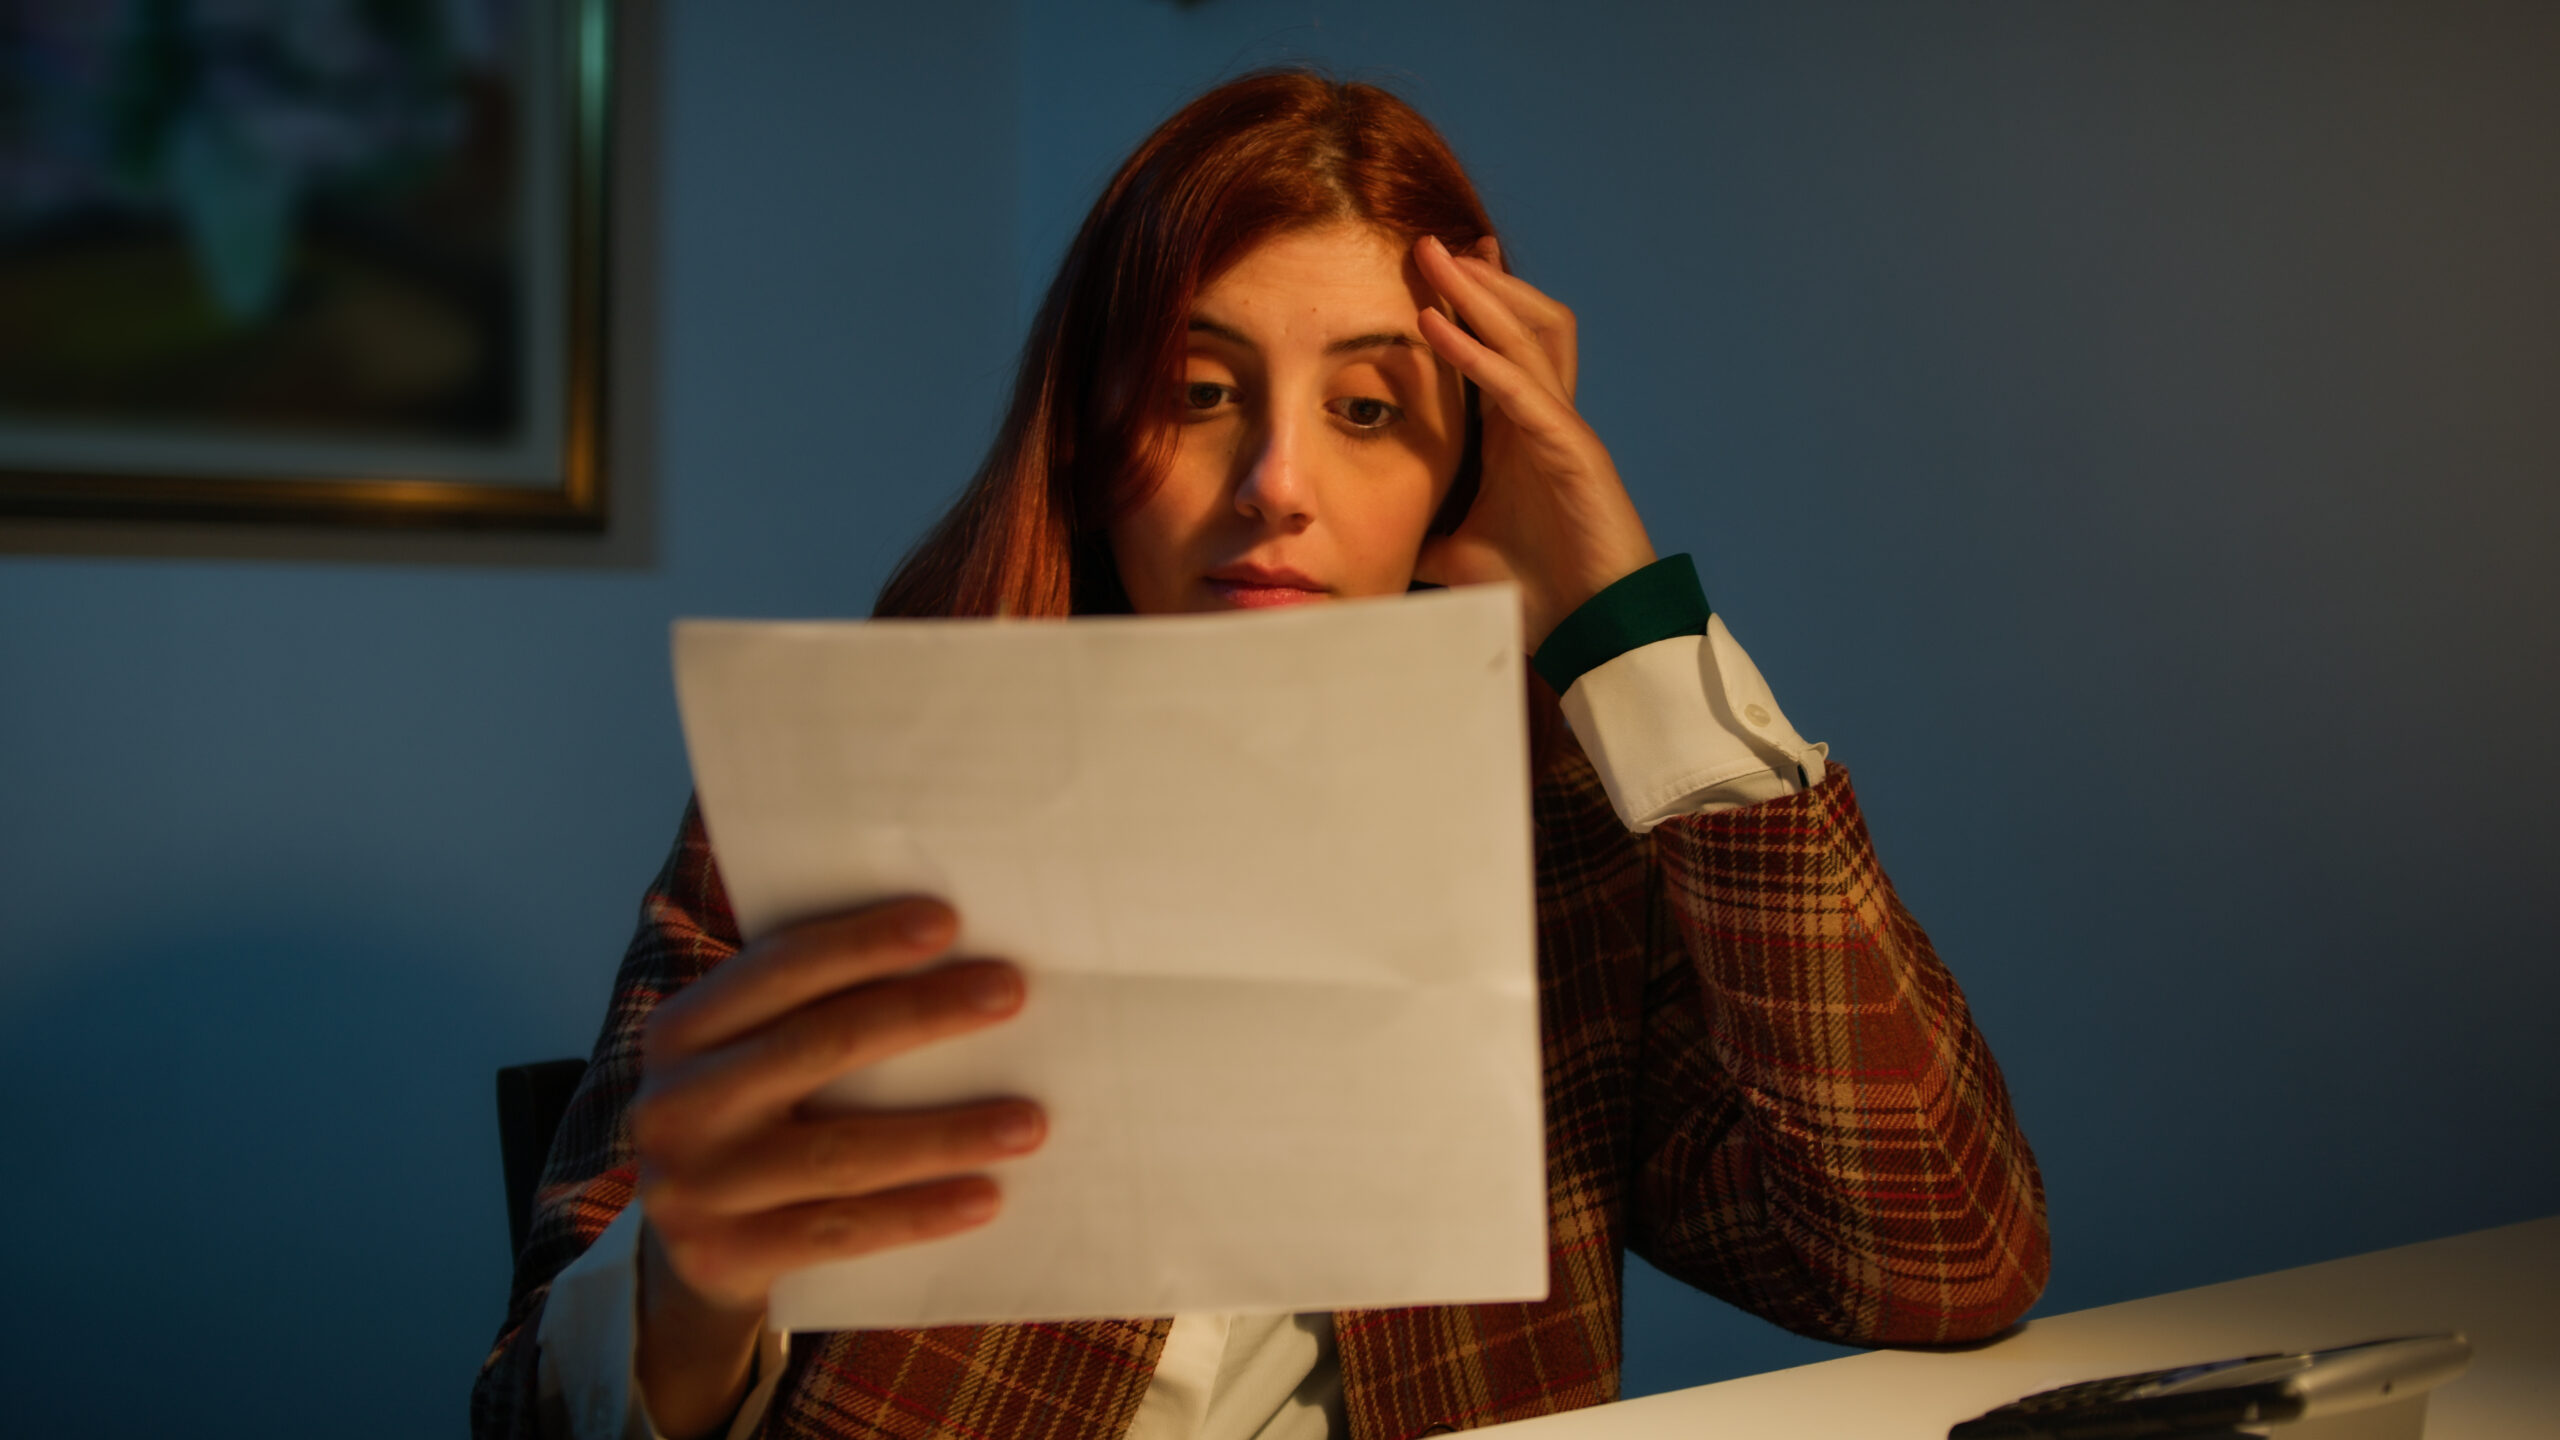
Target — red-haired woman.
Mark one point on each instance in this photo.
(1284, 361)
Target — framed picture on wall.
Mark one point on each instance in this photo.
(313, 261)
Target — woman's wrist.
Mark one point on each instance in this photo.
(1651, 602)
(693, 1360)
(1552, 599)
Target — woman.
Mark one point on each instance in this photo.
(1283, 361)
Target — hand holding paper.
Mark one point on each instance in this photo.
(741, 1183)
(1268, 878)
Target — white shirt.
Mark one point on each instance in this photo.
(1681, 726)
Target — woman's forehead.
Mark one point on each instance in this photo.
(1322, 287)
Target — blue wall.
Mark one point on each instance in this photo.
(2125, 432)
(298, 852)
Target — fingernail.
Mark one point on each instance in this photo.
(993, 990)
(924, 926)
(975, 1204)
(1016, 1130)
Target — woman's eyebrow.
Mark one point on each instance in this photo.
(1233, 336)
(1374, 340)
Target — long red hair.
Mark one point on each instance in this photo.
(1085, 436)
(1088, 430)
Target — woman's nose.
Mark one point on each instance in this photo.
(1276, 487)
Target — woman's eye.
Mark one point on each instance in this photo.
(1204, 395)
(1364, 413)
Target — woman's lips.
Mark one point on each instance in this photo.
(1249, 596)
(1255, 587)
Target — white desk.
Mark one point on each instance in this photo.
(2501, 1287)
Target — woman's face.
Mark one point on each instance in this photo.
(1316, 438)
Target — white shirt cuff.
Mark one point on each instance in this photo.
(1687, 726)
(590, 1330)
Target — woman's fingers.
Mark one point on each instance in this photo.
(791, 967)
(1548, 320)
(1499, 327)
(1532, 400)
(870, 1023)
(700, 1100)
(833, 1156)
(1513, 318)
(735, 1262)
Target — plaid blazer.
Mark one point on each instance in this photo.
(1758, 1076)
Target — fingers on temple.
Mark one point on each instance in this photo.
(1493, 304)
(1540, 312)
(791, 967)
(1529, 398)
(1550, 320)
(801, 1162)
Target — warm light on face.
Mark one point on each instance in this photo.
(1317, 433)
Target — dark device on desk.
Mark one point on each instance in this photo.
(2219, 1397)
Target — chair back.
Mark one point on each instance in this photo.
(531, 1100)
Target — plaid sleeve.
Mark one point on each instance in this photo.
(685, 929)
(1822, 1137)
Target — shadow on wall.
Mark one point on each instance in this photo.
(274, 1127)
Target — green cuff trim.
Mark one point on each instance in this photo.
(1658, 602)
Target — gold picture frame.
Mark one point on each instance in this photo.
(345, 273)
